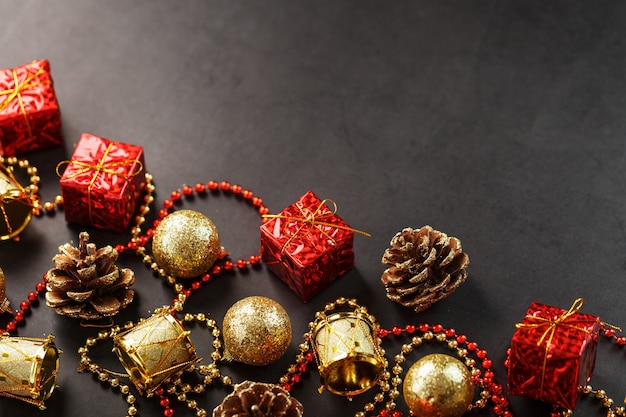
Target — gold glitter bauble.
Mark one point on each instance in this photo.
(438, 385)
(256, 330)
(185, 243)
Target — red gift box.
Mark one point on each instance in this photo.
(552, 353)
(102, 183)
(29, 113)
(307, 245)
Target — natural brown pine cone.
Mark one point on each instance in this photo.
(425, 266)
(85, 282)
(256, 399)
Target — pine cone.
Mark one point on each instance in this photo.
(256, 399)
(425, 266)
(86, 283)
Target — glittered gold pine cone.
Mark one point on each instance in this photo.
(425, 266)
(256, 399)
(85, 282)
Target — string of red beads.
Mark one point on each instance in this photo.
(19, 317)
(139, 240)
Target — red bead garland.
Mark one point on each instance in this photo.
(138, 241)
(19, 317)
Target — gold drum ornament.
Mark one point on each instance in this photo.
(28, 368)
(350, 360)
(16, 205)
(154, 350)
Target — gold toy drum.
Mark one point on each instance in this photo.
(16, 205)
(28, 368)
(349, 357)
(154, 350)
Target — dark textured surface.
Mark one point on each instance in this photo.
(501, 123)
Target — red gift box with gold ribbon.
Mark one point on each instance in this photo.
(102, 183)
(29, 112)
(307, 245)
(552, 353)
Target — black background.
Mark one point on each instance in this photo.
(501, 123)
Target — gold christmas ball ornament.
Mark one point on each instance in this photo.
(438, 385)
(256, 330)
(186, 243)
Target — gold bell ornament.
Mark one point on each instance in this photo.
(28, 368)
(347, 348)
(154, 350)
(16, 205)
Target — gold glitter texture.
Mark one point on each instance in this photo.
(154, 350)
(185, 243)
(438, 385)
(257, 331)
(28, 368)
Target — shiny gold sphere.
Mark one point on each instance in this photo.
(256, 331)
(185, 243)
(438, 385)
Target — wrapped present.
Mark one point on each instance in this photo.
(307, 245)
(29, 112)
(102, 183)
(552, 353)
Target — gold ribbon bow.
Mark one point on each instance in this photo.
(16, 93)
(548, 334)
(100, 167)
(314, 219)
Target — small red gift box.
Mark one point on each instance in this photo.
(307, 245)
(102, 183)
(29, 112)
(552, 353)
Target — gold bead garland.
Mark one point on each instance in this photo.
(32, 171)
(210, 372)
(417, 341)
(600, 395)
(137, 242)
(104, 375)
(606, 402)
